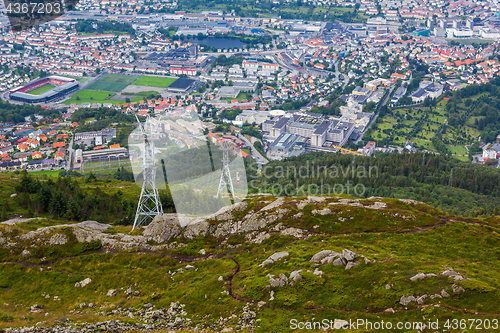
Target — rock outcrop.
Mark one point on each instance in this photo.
(275, 257)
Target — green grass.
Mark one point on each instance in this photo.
(107, 86)
(119, 78)
(108, 168)
(42, 89)
(457, 150)
(420, 125)
(113, 82)
(241, 96)
(471, 41)
(92, 96)
(53, 173)
(83, 79)
(154, 81)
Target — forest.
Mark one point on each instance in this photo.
(444, 182)
(80, 198)
(16, 113)
(483, 109)
(102, 27)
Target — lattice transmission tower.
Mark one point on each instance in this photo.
(149, 204)
(225, 183)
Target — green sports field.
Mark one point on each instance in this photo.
(42, 89)
(119, 78)
(154, 81)
(53, 173)
(113, 82)
(92, 96)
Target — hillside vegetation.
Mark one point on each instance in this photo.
(256, 267)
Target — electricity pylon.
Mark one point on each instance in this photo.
(225, 183)
(149, 204)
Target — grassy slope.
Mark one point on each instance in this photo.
(426, 240)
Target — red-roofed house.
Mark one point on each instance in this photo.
(36, 155)
(59, 144)
(22, 147)
(59, 155)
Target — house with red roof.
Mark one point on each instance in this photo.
(36, 155)
(60, 144)
(22, 147)
(59, 155)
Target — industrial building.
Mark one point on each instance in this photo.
(286, 145)
(318, 132)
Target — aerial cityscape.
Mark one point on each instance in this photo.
(249, 166)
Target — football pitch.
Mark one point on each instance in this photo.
(113, 82)
(42, 89)
(154, 81)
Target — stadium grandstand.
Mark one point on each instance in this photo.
(62, 86)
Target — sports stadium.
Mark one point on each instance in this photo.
(44, 90)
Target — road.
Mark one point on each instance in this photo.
(255, 153)
(70, 154)
(384, 102)
(338, 74)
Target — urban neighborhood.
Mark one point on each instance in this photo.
(389, 83)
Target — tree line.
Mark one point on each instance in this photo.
(81, 198)
(441, 181)
(16, 113)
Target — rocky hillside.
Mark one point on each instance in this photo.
(264, 265)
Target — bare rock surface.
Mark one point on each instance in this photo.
(322, 254)
(163, 228)
(275, 257)
(17, 220)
